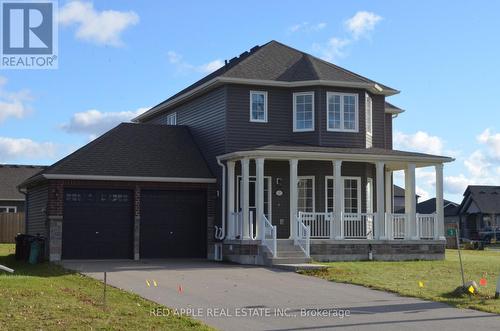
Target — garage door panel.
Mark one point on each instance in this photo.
(173, 224)
(97, 224)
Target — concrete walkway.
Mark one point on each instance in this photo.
(235, 297)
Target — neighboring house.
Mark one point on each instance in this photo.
(479, 210)
(398, 201)
(11, 175)
(276, 157)
(451, 219)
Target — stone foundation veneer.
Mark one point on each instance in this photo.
(383, 250)
(55, 238)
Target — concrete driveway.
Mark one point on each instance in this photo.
(235, 297)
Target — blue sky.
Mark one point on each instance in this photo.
(117, 58)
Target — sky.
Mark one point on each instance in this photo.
(117, 58)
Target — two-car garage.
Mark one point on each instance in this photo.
(99, 224)
(139, 191)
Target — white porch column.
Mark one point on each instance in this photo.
(439, 226)
(379, 219)
(388, 191)
(338, 194)
(259, 187)
(293, 197)
(245, 174)
(230, 199)
(410, 202)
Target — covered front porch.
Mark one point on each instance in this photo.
(278, 195)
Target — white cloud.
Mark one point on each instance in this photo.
(307, 27)
(362, 23)
(419, 142)
(100, 27)
(357, 26)
(94, 122)
(492, 141)
(23, 148)
(13, 104)
(455, 184)
(333, 49)
(423, 194)
(177, 60)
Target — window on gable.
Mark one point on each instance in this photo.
(172, 119)
(342, 112)
(369, 115)
(303, 111)
(258, 106)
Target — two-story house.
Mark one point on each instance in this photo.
(276, 157)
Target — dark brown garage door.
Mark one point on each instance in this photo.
(97, 224)
(173, 224)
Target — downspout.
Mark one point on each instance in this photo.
(26, 208)
(220, 233)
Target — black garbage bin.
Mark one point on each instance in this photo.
(23, 246)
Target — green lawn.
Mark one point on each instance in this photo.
(440, 278)
(48, 297)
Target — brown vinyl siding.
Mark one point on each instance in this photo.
(36, 216)
(205, 117)
(388, 131)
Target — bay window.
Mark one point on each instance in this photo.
(342, 112)
(303, 111)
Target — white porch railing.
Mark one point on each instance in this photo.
(397, 225)
(358, 226)
(270, 236)
(303, 238)
(426, 225)
(320, 224)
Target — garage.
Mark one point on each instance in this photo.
(98, 224)
(173, 224)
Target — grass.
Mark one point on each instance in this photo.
(440, 278)
(48, 297)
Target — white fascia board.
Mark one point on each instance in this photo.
(131, 178)
(325, 156)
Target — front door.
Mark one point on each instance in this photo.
(253, 198)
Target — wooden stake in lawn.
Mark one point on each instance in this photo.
(105, 285)
(460, 256)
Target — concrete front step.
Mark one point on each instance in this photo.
(294, 253)
(300, 266)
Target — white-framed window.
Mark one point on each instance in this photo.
(303, 111)
(342, 112)
(305, 194)
(172, 119)
(8, 209)
(369, 115)
(369, 195)
(352, 194)
(258, 106)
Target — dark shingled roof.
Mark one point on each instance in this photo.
(429, 207)
(11, 175)
(137, 150)
(275, 61)
(295, 147)
(486, 198)
(399, 191)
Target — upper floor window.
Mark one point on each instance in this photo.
(342, 112)
(7, 209)
(258, 106)
(303, 111)
(369, 115)
(172, 119)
